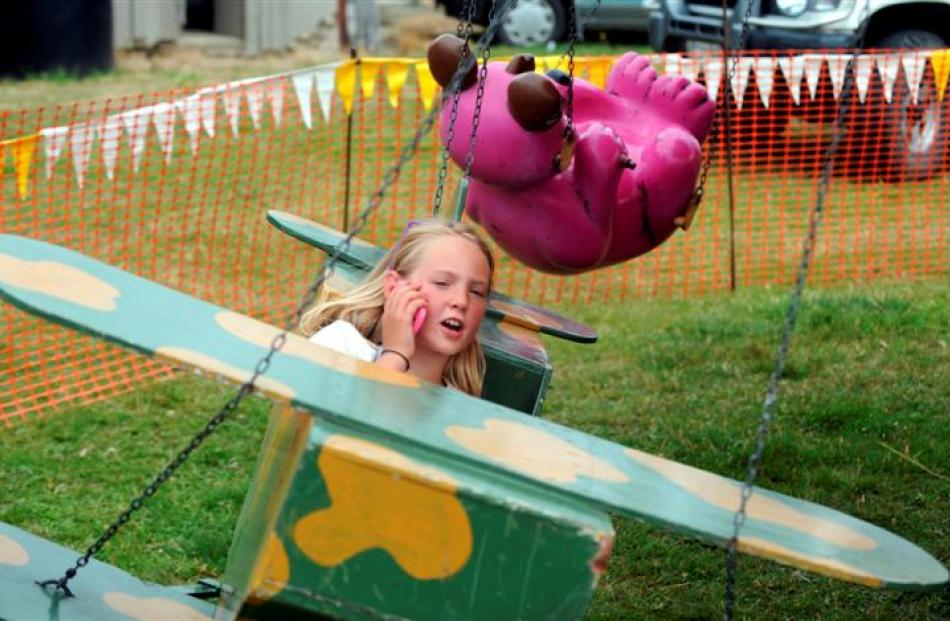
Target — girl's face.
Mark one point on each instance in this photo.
(455, 277)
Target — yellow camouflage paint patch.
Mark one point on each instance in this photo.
(58, 280)
(262, 334)
(152, 608)
(12, 553)
(726, 494)
(382, 499)
(272, 571)
(826, 566)
(204, 362)
(533, 452)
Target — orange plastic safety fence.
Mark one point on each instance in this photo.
(174, 186)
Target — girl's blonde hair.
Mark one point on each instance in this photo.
(362, 306)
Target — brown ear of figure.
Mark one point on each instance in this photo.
(534, 102)
(444, 54)
(522, 63)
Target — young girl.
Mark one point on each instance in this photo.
(442, 267)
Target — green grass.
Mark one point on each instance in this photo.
(861, 427)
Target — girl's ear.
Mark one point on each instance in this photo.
(390, 279)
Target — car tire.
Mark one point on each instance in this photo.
(915, 136)
(533, 22)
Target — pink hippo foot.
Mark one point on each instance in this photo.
(628, 182)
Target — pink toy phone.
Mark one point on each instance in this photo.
(418, 318)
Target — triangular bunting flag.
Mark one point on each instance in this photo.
(190, 110)
(275, 95)
(23, 150)
(863, 68)
(54, 138)
(914, 64)
(837, 68)
(396, 74)
(136, 126)
(671, 64)
(232, 105)
(303, 87)
(109, 132)
(369, 71)
(163, 117)
(80, 140)
(793, 68)
(689, 68)
(346, 84)
(888, 65)
(764, 77)
(940, 61)
(326, 78)
(812, 68)
(208, 104)
(427, 84)
(740, 77)
(255, 101)
(598, 70)
(712, 72)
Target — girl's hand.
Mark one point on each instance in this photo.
(403, 299)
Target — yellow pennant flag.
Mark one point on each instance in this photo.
(427, 84)
(396, 74)
(346, 83)
(369, 70)
(23, 150)
(598, 70)
(940, 59)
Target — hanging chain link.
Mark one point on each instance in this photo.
(483, 50)
(464, 31)
(573, 28)
(700, 190)
(772, 392)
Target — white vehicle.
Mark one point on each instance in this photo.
(915, 139)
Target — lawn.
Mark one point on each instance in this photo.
(861, 427)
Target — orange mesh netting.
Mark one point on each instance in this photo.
(174, 187)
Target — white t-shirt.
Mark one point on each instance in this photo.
(343, 337)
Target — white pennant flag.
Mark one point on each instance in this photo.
(712, 71)
(109, 132)
(813, 63)
(740, 78)
(80, 139)
(232, 105)
(863, 68)
(163, 117)
(255, 101)
(671, 64)
(888, 65)
(303, 87)
(190, 110)
(54, 139)
(837, 68)
(325, 77)
(765, 77)
(136, 126)
(689, 68)
(914, 64)
(275, 94)
(793, 68)
(208, 104)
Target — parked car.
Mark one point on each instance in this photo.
(538, 22)
(912, 143)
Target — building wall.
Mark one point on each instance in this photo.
(143, 23)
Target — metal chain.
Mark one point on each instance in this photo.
(464, 31)
(262, 366)
(772, 392)
(717, 116)
(479, 96)
(573, 28)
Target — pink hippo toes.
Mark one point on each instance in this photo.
(623, 191)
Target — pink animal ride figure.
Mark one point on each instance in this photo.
(627, 185)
